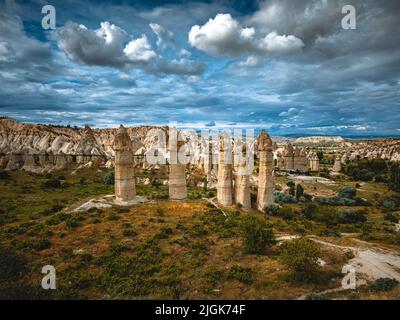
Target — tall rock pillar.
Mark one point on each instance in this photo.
(224, 186)
(125, 189)
(177, 175)
(288, 156)
(266, 185)
(337, 167)
(242, 187)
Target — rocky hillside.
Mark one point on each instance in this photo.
(42, 148)
(319, 140)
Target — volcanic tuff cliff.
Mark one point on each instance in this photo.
(41, 148)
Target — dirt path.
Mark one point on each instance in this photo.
(373, 263)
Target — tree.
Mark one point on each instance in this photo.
(395, 176)
(301, 258)
(257, 235)
(299, 191)
(347, 192)
(109, 177)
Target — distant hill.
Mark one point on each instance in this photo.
(320, 139)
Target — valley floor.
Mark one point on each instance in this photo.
(170, 250)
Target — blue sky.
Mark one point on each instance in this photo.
(286, 66)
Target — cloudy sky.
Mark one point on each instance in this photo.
(287, 66)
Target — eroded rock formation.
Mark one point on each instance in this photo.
(125, 189)
(265, 194)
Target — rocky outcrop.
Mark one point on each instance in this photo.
(44, 148)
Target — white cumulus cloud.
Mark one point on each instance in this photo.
(225, 36)
(106, 46)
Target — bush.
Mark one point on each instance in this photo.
(54, 209)
(391, 218)
(242, 274)
(52, 184)
(257, 235)
(350, 216)
(299, 191)
(383, 284)
(335, 201)
(71, 223)
(347, 192)
(11, 265)
(272, 209)
(309, 211)
(4, 175)
(287, 213)
(389, 204)
(41, 244)
(109, 177)
(281, 197)
(301, 258)
(129, 232)
(163, 234)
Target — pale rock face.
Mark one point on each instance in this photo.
(88, 149)
(177, 182)
(31, 163)
(224, 184)
(288, 157)
(61, 161)
(15, 161)
(177, 176)
(266, 183)
(314, 162)
(3, 161)
(337, 167)
(242, 188)
(125, 189)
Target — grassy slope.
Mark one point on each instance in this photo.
(159, 250)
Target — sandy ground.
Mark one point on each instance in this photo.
(371, 262)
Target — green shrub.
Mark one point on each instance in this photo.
(347, 192)
(272, 209)
(4, 175)
(281, 197)
(163, 233)
(109, 178)
(41, 244)
(242, 274)
(299, 191)
(391, 218)
(287, 213)
(11, 265)
(389, 204)
(383, 284)
(54, 209)
(129, 232)
(351, 216)
(257, 235)
(301, 258)
(72, 222)
(309, 211)
(213, 276)
(52, 184)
